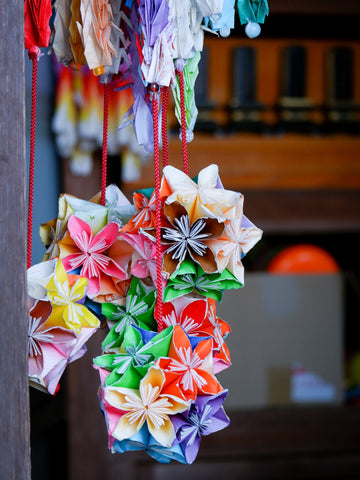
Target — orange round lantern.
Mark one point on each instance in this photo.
(303, 259)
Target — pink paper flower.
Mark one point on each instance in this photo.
(99, 256)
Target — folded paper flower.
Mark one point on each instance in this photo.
(38, 276)
(67, 296)
(53, 231)
(49, 347)
(143, 263)
(219, 331)
(146, 405)
(145, 216)
(198, 318)
(206, 198)
(136, 355)
(205, 416)
(238, 238)
(117, 209)
(190, 313)
(138, 311)
(191, 278)
(102, 257)
(190, 369)
(142, 440)
(185, 238)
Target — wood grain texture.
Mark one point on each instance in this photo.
(279, 163)
(299, 443)
(14, 402)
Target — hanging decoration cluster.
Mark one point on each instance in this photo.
(152, 269)
(78, 123)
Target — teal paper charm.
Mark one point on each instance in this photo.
(252, 11)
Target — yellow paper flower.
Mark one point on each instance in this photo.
(65, 299)
(146, 404)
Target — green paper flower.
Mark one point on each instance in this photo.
(191, 278)
(135, 357)
(138, 311)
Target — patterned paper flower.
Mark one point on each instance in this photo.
(146, 213)
(220, 330)
(119, 209)
(238, 238)
(38, 276)
(206, 198)
(52, 232)
(184, 238)
(98, 256)
(138, 310)
(48, 347)
(136, 355)
(205, 416)
(67, 295)
(148, 404)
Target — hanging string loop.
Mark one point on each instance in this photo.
(105, 144)
(164, 136)
(180, 64)
(34, 55)
(154, 90)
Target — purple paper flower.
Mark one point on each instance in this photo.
(206, 415)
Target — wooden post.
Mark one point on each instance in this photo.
(14, 402)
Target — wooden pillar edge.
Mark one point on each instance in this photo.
(14, 397)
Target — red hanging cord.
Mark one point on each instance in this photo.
(165, 146)
(105, 144)
(183, 122)
(34, 56)
(159, 301)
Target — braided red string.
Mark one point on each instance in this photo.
(183, 122)
(34, 59)
(165, 147)
(105, 144)
(159, 300)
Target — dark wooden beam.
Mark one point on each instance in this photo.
(315, 7)
(14, 402)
